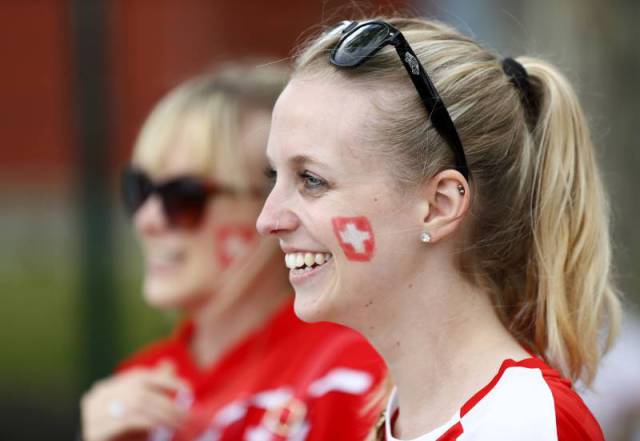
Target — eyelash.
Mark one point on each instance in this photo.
(312, 182)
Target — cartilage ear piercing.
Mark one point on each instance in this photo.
(460, 189)
(425, 237)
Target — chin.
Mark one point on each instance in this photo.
(160, 300)
(314, 307)
(305, 312)
(167, 296)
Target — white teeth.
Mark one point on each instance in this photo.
(305, 261)
(164, 258)
(309, 259)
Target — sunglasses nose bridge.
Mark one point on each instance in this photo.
(151, 218)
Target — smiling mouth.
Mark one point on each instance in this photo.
(165, 259)
(303, 262)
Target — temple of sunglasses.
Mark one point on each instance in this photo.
(360, 41)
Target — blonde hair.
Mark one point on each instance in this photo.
(538, 234)
(211, 109)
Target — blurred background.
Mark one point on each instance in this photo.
(79, 76)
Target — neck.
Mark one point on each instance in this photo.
(442, 343)
(229, 316)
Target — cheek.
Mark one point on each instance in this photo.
(234, 241)
(355, 237)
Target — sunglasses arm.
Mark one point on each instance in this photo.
(428, 93)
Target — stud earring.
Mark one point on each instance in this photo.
(425, 237)
(460, 189)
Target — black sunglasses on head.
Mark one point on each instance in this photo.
(183, 198)
(359, 41)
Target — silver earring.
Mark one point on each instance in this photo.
(460, 189)
(425, 237)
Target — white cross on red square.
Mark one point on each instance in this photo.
(355, 237)
(233, 242)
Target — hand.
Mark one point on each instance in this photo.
(131, 404)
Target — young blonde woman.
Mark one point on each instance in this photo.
(458, 196)
(240, 366)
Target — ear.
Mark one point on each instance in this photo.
(448, 199)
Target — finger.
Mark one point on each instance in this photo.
(165, 381)
(156, 405)
(133, 425)
(159, 379)
(162, 409)
(166, 366)
(125, 427)
(112, 407)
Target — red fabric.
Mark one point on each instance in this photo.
(574, 421)
(573, 418)
(286, 355)
(453, 433)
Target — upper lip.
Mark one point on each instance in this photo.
(289, 249)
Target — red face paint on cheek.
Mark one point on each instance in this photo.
(234, 241)
(355, 237)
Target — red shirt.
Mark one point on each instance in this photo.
(526, 401)
(286, 381)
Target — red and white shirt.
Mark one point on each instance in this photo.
(286, 381)
(526, 401)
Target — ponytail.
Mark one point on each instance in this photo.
(570, 257)
(537, 241)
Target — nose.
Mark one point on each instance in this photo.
(150, 219)
(275, 218)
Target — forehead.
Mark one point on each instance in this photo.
(193, 144)
(324, 118)
(182, 151)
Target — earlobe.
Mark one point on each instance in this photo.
(425, 237)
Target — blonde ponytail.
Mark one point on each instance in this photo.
(570, 257)
(538, 235)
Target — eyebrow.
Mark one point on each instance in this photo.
(299, 160)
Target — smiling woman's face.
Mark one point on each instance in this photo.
(185, 267)
(335, 205)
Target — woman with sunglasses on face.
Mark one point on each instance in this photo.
(466, 223)
(241, 366)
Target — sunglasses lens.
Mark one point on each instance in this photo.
(136, 188)
(360, 44)
(184, 202)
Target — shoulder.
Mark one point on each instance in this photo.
(344, 389)
(332, 372)
(574, 420)
(168, 348)
(148, 356)
(528, 400)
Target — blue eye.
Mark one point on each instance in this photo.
(311, 182)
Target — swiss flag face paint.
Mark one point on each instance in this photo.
(234, 241)
(355, 237)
